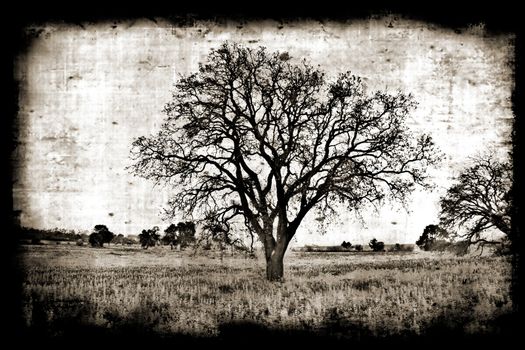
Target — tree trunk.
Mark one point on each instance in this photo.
(275, 266)
(274, 260)
(274, 251)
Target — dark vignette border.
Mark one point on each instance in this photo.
(498, 17)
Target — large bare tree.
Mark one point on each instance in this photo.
(254, 136)
(480, 199)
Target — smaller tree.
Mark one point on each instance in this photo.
(186, 233)
(481, 199)
(358, 247)
(376, 245)
(346, 245)
(106, 236)
(429, 238)
(149, 238)
(96, 240)
(170, 236)
(183, 233)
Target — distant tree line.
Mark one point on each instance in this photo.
(181, 235)
(374, 244)
(56, 234)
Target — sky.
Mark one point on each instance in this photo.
(86, 92)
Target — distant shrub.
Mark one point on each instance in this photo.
(358, 247)
(149, 238)
(401, 248)
(105, 233)
(101, 234)
(325, 249)
(96, 240)
(407, 247)
(429, 238)
(80, 242)
(376, 245)
(128, 241)
(118, 239)
(346, 245)
(395, 248)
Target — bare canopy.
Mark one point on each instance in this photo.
(252, 135)
(480, 199)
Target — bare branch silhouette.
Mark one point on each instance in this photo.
(481, 199)
(253, 136)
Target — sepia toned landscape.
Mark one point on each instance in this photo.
(217, 180)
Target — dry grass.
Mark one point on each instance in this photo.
(170, 292)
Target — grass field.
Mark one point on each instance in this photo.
(161, 292)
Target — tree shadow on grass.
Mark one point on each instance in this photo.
(439, 333)
(73, 324)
